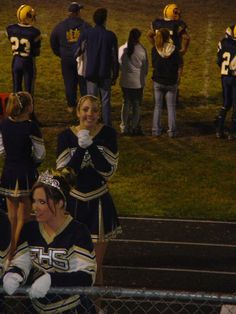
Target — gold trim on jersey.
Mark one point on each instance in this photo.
(57, 307)
(14, 192)
(4, 253)
(89, 195)
(75, 129)
(49, 238)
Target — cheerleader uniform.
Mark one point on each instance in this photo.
(22, 144)
(5, 239)
(90, 200)
(67, 256)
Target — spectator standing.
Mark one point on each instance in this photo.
(22, 145)
(165, 62)
(55, 250)
(25, 42)
(134, 68)
(226, 59)
(177, 28)
(90, 149)
(63, 40)
(102, 61)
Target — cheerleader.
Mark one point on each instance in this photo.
(22, 145)
(55, 250)
(90, 149)
(5, 238)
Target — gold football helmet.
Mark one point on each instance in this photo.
(231, 32)
(171, 12)
(26, 14)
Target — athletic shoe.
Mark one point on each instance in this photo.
(220, 135)
(232, 137)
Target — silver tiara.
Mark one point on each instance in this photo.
(48, 179)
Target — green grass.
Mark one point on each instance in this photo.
(191, 176)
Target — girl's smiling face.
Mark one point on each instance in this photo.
(88, 113)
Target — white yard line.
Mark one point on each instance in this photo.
(178, 220)
(206, 72)
(175, 243)
(185, 270)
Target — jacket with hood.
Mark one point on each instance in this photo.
(165, 63)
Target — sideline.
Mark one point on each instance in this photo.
(178, 220)
(175, 243)
(184, 270)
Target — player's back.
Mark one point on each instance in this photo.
(226, 55)
(25, 39)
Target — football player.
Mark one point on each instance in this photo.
(226, 59)
(177, 27)
(25, 42)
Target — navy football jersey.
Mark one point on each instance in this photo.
(226, 56)
(175, 27)
(25, 40)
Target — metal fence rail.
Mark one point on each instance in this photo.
(110, 300)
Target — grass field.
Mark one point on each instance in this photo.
(192, 176)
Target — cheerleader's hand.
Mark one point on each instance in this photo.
(40, 287)
(84, 139)
(11, 281)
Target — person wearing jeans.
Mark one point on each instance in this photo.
(165, 62)
(102, 66)
(133, 97)
(170, 92)
(133, 61)
(102, 87)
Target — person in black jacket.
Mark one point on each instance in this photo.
(102, 66)
(165, 62)
(63, 42)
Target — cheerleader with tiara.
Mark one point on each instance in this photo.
(55, 249)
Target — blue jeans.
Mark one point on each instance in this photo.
(169, 92)
(102, 89)
(132, 100)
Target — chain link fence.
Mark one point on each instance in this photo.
(110, 300)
